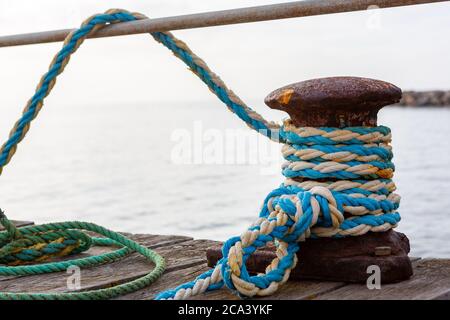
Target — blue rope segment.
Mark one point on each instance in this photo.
(179, 49)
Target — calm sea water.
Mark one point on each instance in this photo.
(119, 166)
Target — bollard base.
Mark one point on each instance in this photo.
(345, 259)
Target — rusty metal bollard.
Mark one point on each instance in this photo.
(338, 102)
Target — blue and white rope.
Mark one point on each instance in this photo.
(178, 47)
(330, 204)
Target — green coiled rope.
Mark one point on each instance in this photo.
(69, 230)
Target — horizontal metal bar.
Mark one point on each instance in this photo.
(216, 18)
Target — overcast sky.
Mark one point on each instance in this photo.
(409, 47)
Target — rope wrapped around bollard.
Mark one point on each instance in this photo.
(347, 191)
(299, 210)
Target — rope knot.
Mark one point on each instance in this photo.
(43, 247)
(18, 248)
(291, 220)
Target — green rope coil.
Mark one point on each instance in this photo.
(45, 233)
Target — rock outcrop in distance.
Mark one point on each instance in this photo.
(435, 98)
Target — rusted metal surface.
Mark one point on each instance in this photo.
(334, 101)
(345, 259)
(217, 18)
(383, 251)
(338, 102)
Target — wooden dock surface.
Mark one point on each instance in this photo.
(186, 259)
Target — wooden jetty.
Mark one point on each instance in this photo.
(186, 259)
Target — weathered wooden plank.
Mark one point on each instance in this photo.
(431, 280)
(292, 290)
(443, 296)
(186, 259)
(168, 280)
(178, 257)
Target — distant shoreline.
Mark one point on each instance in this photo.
(435, 98)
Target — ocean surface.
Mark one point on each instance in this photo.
(195, 169)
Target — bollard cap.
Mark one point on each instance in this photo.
(334, 101)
